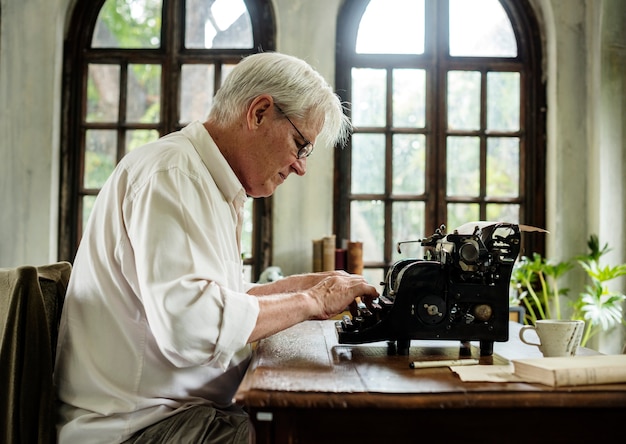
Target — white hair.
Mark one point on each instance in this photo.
(296, 87)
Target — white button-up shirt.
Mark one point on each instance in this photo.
(156, 316)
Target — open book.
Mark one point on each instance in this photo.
(575, 370)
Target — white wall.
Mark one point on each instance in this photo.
(31, 46)
(585, 65)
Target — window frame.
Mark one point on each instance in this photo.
(532, 191)
(170, 55)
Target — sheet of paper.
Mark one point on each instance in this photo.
(486, 373)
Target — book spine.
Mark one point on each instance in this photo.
(355, 258)
(340, 259)
(318, 247)
(328, 256)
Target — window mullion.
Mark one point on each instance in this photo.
(389, 199)
(172, 29)
(483, 145)
(123, 98)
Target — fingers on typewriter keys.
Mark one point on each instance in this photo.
(362, 316)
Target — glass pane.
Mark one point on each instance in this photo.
(392, 28)
(226, 69)
(480, 28)
(503, 213)
(408, 225)
(217, 24)
(503, 167)
(375, 277)
(88, 202)
(246, 231)
(247, 273)
(464, 100)
(459, 214)
(409, 98)
(368, 97)
(103, 93)
(367, 224)
(128, 24)
(144, 93)
(503, 101)
(409, 163)
(463, 166)
(100, 157)
(196, 94)
(137, 138)
(368, 163)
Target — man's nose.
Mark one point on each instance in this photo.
(299, 166)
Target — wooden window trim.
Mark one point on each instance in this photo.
(77, 56)
(532, 115)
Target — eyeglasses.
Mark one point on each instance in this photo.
(306, 148)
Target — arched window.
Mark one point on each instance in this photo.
(136, 70)
(448, 107)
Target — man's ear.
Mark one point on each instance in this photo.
(258, 110)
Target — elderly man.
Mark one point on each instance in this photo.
(157, 322)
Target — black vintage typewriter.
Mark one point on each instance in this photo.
(458, 291)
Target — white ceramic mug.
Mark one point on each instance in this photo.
(556, 337)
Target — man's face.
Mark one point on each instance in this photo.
(274, 155)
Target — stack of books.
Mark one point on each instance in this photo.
(326, 255)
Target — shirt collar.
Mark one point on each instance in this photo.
(218, 167)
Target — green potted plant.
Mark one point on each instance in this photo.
(536, 287)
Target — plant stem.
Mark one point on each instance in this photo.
(544, 290)
(557, 299)
(531, 291)
(531, 311)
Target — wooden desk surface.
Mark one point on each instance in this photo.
(303, 374)
(306, 359)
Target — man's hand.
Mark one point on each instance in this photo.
(337, 291)
(296, 298)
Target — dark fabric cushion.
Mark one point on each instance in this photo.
(31, 300)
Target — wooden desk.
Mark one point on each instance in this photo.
(304, 387)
